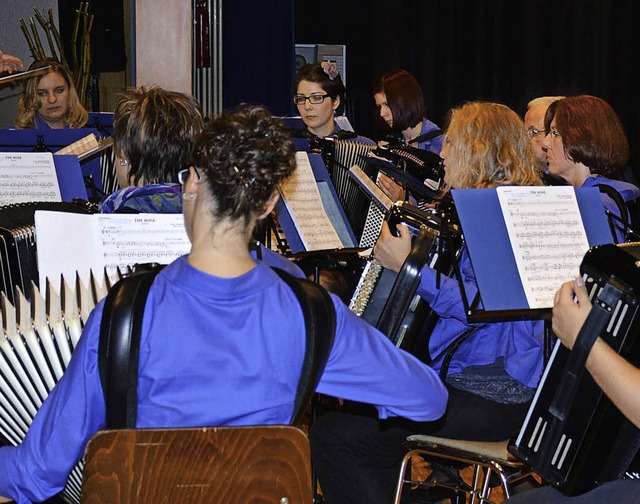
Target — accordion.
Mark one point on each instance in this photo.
(18, 255)
(339, 155)
(573, 436)
(38, 339)
(388, 300)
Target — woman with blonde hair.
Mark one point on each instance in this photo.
(50, 101)
(492, 374)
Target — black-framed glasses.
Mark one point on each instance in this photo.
(183, 174)
(314, 99)
(534, 132)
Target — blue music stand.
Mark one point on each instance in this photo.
(332, 207)
(52, 140)
(70, 178)
(494, 264)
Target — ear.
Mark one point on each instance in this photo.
(193, 183)
(336, 102)
(270, 204)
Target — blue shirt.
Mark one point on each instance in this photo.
(434, 144)
(519, 343)
(215, 352)
(627, 191)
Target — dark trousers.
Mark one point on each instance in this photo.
(357, 457)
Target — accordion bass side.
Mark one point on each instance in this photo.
(387, 299)
(18, 257)
(578, 443)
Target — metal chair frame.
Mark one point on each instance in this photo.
(490, 457)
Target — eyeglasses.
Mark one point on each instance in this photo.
(534, 132)
(183, 174)
(314, 99)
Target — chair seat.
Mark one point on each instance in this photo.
(482, 451)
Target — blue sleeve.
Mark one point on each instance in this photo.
(365, 366)
(72, 413)
(447, 300)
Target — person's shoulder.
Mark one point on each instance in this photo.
(627, 190)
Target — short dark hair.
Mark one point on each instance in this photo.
(245, 154)
(404, 97)
(155, 130)
(313, 72)
(592, 133)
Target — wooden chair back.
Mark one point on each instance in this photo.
(264, 464)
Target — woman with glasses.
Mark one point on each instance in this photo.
(223, 337)
(320, 96)
(492, 374)
(154, 134)
(586, 145)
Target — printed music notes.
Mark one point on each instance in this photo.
(68, 243)
(547, 236)
(28, 176)
(302, 198)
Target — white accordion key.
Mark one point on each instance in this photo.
(70, 313)
(39, 321)
(56, 323)
(44, 377)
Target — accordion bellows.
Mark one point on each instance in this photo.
(39, 336)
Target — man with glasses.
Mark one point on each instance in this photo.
(534, 124)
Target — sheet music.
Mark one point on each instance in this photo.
(370, 187)
(547, 236)
(69, 242)
(302, 198)
(28, 176)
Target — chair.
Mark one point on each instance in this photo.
(227, 464)
(492, 457)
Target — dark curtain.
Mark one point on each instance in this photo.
(508, 51)
(258, 53)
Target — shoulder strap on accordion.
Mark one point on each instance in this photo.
(320, 324)
(120, 343)
(119, 347)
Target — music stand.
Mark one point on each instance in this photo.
(501, 295)
(331, 205)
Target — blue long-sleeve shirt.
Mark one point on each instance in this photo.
(215, 351)
(519, 343)
(627, 191)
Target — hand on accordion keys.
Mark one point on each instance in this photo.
(570, 309)
(391, 250)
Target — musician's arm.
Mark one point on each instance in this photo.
(617, 378)
(4, 499)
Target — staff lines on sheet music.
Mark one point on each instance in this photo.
(165, 244)
(547, 237)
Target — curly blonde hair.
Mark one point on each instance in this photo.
(29, 103)
(491, 145)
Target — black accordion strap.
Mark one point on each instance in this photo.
(119, 347)
(592, 328)
(120, 343)
(427, 136)
(320, 324)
